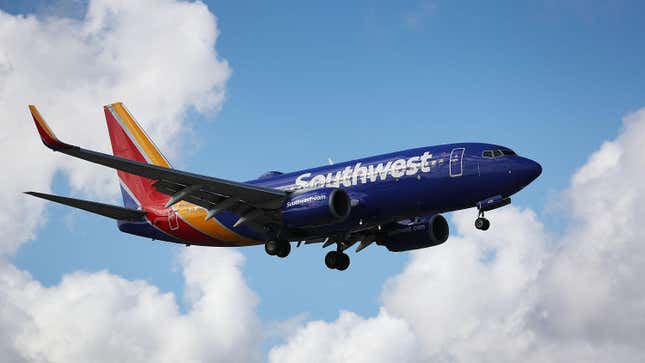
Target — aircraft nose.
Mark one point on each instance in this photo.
(529, 170)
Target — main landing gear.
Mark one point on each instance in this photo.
(337, 260)
(277, 248)
(482, 223)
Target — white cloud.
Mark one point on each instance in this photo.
(517, 293)
(100, 317)
(350, 339)
(591, 288)
(473, 293)
(157, 56)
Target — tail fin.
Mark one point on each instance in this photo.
(131, 142)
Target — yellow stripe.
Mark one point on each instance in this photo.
(195, 216)
(140, 136)
(41, 121)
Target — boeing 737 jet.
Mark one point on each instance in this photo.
(393, 200)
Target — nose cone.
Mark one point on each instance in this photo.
(528, 170)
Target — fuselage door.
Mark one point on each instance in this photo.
(457, 162)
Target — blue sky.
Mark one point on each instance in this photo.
(344, 80)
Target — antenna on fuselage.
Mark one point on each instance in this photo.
(330, 161)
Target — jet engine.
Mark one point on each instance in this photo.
(317, 208)
(429, 232)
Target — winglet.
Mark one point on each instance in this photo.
(46, 134)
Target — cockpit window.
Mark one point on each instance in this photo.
(497, 153)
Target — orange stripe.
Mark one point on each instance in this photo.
(140, 136)
(195, 216)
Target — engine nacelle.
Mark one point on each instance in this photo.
(431, 232)
(317, 208)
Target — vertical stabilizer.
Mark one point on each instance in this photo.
(131, 142)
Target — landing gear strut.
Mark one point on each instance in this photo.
(337, 260)
(277, 248)
(482, 223)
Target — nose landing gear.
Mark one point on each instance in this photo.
(482, 223)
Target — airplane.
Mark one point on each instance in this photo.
(395, 200)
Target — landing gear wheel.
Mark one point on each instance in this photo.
(343, 263)
(337, 260)
(482, 223)
(332, 258)
(285, 248)
(272, 247)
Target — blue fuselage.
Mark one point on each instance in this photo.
(411, 183)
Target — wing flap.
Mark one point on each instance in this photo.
(106, 210)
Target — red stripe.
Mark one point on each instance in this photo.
(160, 219)
(152, 201)
(47, 139)
(123, 147)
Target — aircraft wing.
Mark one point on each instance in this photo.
(208, 192)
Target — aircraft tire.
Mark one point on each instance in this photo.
(343, 262)
(331, 259)
(285, 248)
(272, 247)
(482, 223)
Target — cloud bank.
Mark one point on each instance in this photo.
(100, 317)
(516, 292)
(159, 58)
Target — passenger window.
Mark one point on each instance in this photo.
(487, 154)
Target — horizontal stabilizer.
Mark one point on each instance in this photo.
(110, 211)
